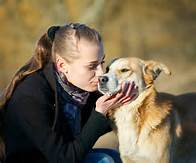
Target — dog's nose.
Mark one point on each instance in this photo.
(103, 79)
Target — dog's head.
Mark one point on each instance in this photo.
(134, 70)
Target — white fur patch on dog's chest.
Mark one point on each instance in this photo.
(126, 122)
(127, 132)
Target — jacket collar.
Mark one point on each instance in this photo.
(48, 71)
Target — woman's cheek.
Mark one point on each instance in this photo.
(92, 75)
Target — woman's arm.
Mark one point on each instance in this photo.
(30, 107)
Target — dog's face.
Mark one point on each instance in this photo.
(141, 72)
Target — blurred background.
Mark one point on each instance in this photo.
(162, 30)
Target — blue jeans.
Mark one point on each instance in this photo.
(102, 155)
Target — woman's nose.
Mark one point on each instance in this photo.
(100, 70)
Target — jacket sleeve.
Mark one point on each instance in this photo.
(30, 108)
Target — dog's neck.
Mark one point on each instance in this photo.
(135, 121)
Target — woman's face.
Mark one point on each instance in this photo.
(85, 71)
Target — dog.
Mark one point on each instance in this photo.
(149, 128)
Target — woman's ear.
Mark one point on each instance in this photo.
(61, 64)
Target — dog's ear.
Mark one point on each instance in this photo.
(153, 69)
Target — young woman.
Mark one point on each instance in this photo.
(53, 112)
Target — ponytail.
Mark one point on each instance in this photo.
(39, 59)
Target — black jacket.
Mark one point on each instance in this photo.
(33, 127)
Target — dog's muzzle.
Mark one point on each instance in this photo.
(108, 84)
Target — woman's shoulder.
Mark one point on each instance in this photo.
(36, 80)
(34, 85)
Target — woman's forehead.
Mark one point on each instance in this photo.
(93, 59)
(90, 51)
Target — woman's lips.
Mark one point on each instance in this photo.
(95, 83)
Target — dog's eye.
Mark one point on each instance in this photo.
(124, 70)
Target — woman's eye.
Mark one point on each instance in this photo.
(124, 70)
(92, 67)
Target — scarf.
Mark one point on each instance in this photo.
(71, 112)
(76, 93)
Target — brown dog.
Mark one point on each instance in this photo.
(152, 128)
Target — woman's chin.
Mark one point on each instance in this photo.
(93, 88)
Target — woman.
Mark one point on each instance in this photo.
(52, 110)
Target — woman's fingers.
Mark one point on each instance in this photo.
(124, 87)
(118, 96)
(124, 96)
(128, 100)
(128, 92)
(131, 88)
(131, 96)
(106, 97)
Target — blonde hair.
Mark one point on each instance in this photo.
(66, 40)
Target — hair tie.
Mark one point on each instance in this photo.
(75, 26)
(51, 32)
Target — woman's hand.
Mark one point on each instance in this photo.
(124, 96)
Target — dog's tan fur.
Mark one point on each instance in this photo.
(148, 128)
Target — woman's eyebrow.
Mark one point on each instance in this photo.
(97, 61)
